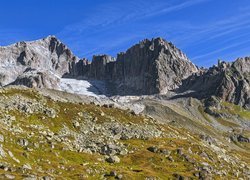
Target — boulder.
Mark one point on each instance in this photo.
(23, 142)
(113, 159)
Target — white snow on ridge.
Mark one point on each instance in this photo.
(83, 87)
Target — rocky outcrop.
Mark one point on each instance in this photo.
(36, 79)
(150, 67)
(47, 54)
(229, 81)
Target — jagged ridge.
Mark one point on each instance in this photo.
(229, 81)
(150, 67)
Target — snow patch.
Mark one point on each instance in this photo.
(83, 87)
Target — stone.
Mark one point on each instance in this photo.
(76, 124)
(204, 155)
(179, 177)
(23, 142)
(180, 151)
(207, 138)
(1, 138)
(239, 138)
(119, 176)
(170, 158)
(152, 149)
(10, 154)
(30, 177)
(153, 66)
(113, 173)
(47, 178)
(50, 113)
(3, 165)
(9, 176)
(113, 159)
(2, 152)
(165, 152)
(27, 166)
(110, 149)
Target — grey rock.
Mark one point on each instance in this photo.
(113, 159)
(23, 142)
(119, 176)
(9, 176)
(113, 173)
(165, 152)
(27, 166)
(170, 158)
(239, 138)
(50, 112)
(153, 149)
(47, 178)
(180, 151)
(76, 124)
(2, 152)
(1, 138)
(204, 155)
(208, 139)
(180, 177)
(3, 165)
(110, 149)
(30, 177)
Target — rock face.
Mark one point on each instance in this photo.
(229, 81)
(150, 67)
(36, 79)
(45, 55)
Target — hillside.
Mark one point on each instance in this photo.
(47, 137)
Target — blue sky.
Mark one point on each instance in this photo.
(206, 30)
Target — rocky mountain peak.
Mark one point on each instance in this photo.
(149, 67)
(242, 64)
(48, 54)
(229, 81)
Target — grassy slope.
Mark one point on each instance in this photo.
(137, 165)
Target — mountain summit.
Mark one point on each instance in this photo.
(150, 67)
(47, 56)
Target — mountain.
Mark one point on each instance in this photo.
(228, 81)
(150, 67)
(48, 56)
(147, 68)
(182, 122)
